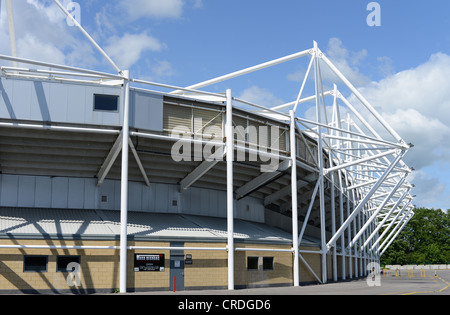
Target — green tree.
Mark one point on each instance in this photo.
(424, 240)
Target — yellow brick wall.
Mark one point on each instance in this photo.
(148, 279)
(208, 269)
(100, 268)
(280, 275)
(97, 266)
(314, 261)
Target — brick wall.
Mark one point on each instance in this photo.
(100, 267)
(97, 267)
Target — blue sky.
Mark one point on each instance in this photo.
(402, 66)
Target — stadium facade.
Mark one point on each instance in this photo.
(107, 183)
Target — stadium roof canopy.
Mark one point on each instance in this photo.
(105, 225)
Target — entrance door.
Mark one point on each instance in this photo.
(177, 267)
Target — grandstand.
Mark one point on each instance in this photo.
(146, 186)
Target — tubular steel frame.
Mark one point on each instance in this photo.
(364, 168)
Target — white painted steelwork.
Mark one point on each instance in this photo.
(358, 174)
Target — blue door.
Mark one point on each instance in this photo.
(177, 267)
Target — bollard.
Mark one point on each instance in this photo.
(173, 284)
(435, 273)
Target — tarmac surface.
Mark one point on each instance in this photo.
(412, 284)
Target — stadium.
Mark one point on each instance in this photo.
(109, 182)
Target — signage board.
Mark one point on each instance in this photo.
(149, 262)
(188, 260)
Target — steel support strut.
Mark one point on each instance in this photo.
(375, 231)
(124, 185)
(376, 212)
(230, 197)
(405, 208)
(320, 159)
(363, 202)
(295, 239)
(391, 237)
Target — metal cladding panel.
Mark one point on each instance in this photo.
(56, 105)
(161, 197)
(90, 194)
(76, 110)
(9, 190)
(43, 195)
(146, 111)
(6, 109)
(39, 106)
(75, 198)
(83, 193)
(250, 209)
(98, 117)
(199, 201)
(166, 198)
(26, 191)
(21, 94)
(107, 193)
(147, 198)
(135, 195)
(38, 100)
(47, 192)
(60, 192)
(213, 203)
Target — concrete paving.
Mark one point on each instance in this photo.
(389, 285)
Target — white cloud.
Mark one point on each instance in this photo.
(32, 48)
(424, 88)
(197, 4)
(385, 66)
(430, 136)
(162, 69)
(349, 63)
(260, 96)
(104, 22)
(416, 103)
(346, 61)
(157, 9)
(43, 34)
(429, 190)
(155, 70)
(128, 49)
(137, 9)
(48, 9)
